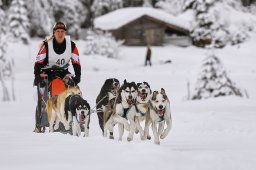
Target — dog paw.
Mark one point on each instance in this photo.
(129, 139)
(86, 134)
(56, 127)
(142, 137)
(67, 127)
(136, 131)
(157, 142)
(162, 136)
(149, 137)
(111, 137)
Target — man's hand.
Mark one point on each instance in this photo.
(76, 79)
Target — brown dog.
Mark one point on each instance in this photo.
(55, 108)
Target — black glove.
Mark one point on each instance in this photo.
(70, 82)
(76, 79)
(39, 81)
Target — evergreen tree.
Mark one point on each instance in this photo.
(213, 80)
(174, 7)
(102, 7)
(40, 17)
(87, 22)
(100, 43)
(18, 20)
(134, 3)
(5, 4)
(207, 29)
(6, 65)
(147, 3)
(68, 12)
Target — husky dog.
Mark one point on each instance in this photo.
(105, 100)
(159, 114)
(55, 108)
(78, 110)
(126, 98)
(142, 105)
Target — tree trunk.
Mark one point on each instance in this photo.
(6, 96)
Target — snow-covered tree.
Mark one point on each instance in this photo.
(87, 21)
(18, 20)
(68, 12)
(208, 29)
(40, 17)
(5, 4)
(147, 3)
(174, 7)
(101, 7)
(6, 65)
(102, 44)
(213, 80)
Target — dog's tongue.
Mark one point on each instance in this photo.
(130, 101)
(161, 112)
(82, 117)
(144, 95)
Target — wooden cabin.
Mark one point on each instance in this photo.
(141, 26)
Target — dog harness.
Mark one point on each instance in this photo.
(161, 118)
(139, 111)
(126, 111)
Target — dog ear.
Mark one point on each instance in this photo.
(154, 95)
(135, 85)
(125, 81)
(162, 91)
(146, 84)
(107, 82)
(87, 104)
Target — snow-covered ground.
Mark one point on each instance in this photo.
(213, 134)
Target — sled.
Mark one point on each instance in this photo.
(54, 86)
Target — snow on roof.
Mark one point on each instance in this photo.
(120, 17)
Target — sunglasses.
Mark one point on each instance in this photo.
(59, 26)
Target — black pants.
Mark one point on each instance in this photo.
(147, 62)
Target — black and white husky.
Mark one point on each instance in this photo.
(160, 114)
(78, 110)
(105, 100)
(142, 105)
(124, 103)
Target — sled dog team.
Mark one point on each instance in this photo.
(127, 106)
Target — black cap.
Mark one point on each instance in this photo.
(59, 25)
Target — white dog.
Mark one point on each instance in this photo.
(160, 115)
(123, 111)
(142, 106)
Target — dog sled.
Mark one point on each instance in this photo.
(54, 85)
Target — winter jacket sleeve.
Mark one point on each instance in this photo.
(39, 63)
(76, 61)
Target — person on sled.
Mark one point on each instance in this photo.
(53, 60)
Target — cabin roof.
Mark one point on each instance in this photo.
(118, 18)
